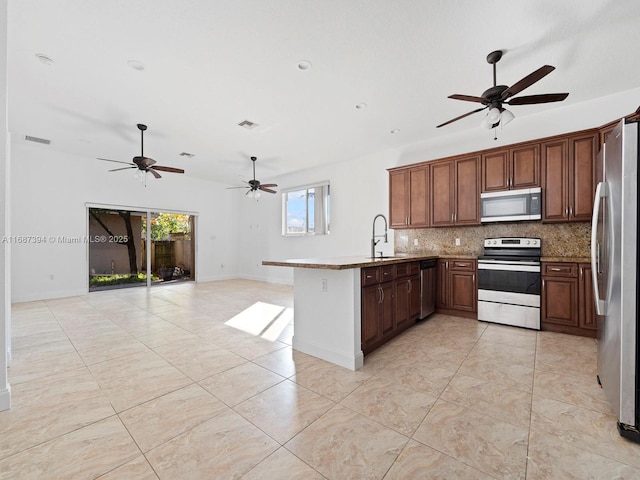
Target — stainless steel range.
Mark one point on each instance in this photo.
(509, 282)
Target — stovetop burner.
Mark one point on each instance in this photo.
(513, 249)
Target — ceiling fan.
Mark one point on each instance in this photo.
(254, 186)
(145, 164)
(495, 97)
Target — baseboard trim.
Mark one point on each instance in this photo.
(5, 398)
(346, 360)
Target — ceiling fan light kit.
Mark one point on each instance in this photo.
(495, 97)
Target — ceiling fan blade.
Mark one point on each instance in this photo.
(154, 173)
(144, 161)
(461, 116)
(467, 98)
(527, 81)
(123, 168)
(269, 185)
(532, 99)
(115, 161)
(231, 188)
(167, 169)
(268, 190)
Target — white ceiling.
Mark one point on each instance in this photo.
(210, 64)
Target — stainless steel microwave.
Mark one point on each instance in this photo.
(511, 205)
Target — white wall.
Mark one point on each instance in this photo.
(5, 215)
(359, 188)
(49, 195)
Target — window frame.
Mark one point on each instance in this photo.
(321, 214)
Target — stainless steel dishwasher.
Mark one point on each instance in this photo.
(427, 287)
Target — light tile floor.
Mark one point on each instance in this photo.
(136, 384)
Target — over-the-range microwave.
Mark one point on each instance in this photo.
(511, 205)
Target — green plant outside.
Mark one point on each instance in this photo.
(119, 279)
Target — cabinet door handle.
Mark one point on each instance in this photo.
(566, 212)
(379, 295)
(382, 292)
(570, 211)
(410, 286)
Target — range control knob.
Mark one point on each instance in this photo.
(527, 242)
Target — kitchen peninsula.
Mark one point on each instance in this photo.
(328, 304)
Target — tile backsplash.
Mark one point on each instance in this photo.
(558, 240)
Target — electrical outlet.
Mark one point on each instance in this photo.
(415, 242)
(457, 242)
(324, 284)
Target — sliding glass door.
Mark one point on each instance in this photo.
(118, 252)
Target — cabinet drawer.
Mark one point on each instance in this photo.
(388, 273)
(463, 265)
(373, 275)
(560, 269)
(408, 269)
(370, 276)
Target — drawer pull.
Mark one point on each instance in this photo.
(369, 276)
(556, 269)
(463, 264)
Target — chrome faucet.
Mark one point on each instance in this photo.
(374, 242)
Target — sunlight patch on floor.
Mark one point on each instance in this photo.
(262, 319)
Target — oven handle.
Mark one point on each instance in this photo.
(507, 262)
(521, 267)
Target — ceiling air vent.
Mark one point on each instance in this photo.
(248, 124)
(44, 141)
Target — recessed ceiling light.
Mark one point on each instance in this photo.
(395, 130)
(361, 106)
(304, 65)
(44, 58)
(135, 64)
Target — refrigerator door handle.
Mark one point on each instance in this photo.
(601, 192)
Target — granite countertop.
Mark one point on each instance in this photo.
(566, 259)
(345, 263)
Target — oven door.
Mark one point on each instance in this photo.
(505, 276)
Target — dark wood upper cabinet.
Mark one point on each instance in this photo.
(419, 196)
(582, 155)
(409, 197)
(511, 168)
(442, 193)
(398, 198)
(569, 178)
(455, 192)
(467, 192)
(495, 171)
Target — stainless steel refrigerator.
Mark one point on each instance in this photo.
(614, 257)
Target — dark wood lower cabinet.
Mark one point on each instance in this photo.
(390, 302)
(567, 304)
(457, 290)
